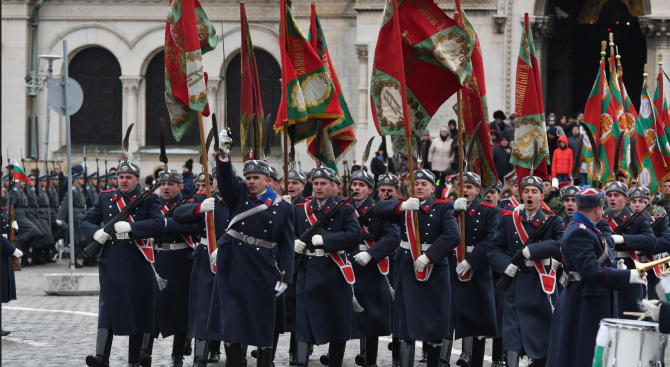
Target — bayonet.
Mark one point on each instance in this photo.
(85, 170)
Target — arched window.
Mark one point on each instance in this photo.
(155, 107)
(99, 121)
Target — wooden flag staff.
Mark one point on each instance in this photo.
(461, 252)
(208, 188)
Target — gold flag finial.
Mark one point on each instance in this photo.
(645, 71)
(618, 57)
(611, 39)
(660, 59)
(602, 50)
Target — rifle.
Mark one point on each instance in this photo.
(23, 163)
(94, 248)
(106, 172)
(317, 228)
(186, 198)
(658, 221)
(83, 187)
(364, 218)
(518, 259)
(628, 222)
(346, 177)
(97, 169)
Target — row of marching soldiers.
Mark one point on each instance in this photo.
(361, 276)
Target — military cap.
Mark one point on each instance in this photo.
(323, 172)
(363, 176)
(616, 186)
(43, 177)
(498, 187)
(531, 181)
(171, 175)
(111, 174)
(294, 174)
(590, 198)
(471, 178)
(569, 191)
(128, 167)
(91, 176)
(5, 176)
(256, 166)
(639, 192)
(388, 179)
(76, 174)
(424, 174)
(200, 177)
(31, 176)
(54, 176)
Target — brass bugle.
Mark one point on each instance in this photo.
(645, 267)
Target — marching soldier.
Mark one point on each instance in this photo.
(252, 272)
(174, 261)
(473, 313)
(325, 277)
(493, 196)
(91, 190)
(296, 185)
(79, 208)
(41, 254)
(370, 262)
(126, 266)
(513, 200)
(388, 186)
(425, 274)
(638, 238)
(589, 297)
(568, 195)
(31, 233)
(530, 298)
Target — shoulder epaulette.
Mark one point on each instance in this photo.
(200, 193)
(189, 200)
(3, 208)
(300, 204)
(506, 212)
(487, 204)
(347, 204)
(443, 201)
(110, 190)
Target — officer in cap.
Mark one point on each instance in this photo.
(174, 261)
(473, 312)
(79, 209)
(592, 278)
(568, 196)
(424, 274)
(493, 196)
(530, 298)
(296, 185)
(91, 189)
(637, 239)
(127, 274)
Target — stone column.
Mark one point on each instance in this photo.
(657, 34)
(131, 85)
(543, 30)
(363, 81)
(214, 106)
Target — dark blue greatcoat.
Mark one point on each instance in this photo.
(127, 281)
(499, 293)
(372, 287)
(527, 317)
(421, 310)
(664, 318)
(247, 280)
(289, 294)
(7, 274)
(638, 237)
(584, 303)
(662, 233)
(175, 266)
(323, 296)
(473, 311)
(201, 294)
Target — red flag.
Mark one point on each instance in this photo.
(250, 101)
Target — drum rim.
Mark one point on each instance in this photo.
(630, 324)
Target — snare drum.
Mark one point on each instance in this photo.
(634, 343)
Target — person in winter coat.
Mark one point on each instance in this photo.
(561, 162)
(441, 156)
(495, 138)
(501, 157)
(506, 129)
(424, 154)
(188, 178)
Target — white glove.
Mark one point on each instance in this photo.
(618, 239)
(421, 263)
(223, 140)
(59, 222)
(463, 268)
(635, 277)
(410, 204)
(207, 205)
(460, 204)
(100, 236)
(511, 270)
(212, 256)
(653, 307)
(555, 264)
(122, 227)
(317, 240)
(287, 198)
(526, 252)
(17, 253)
(620, 264)
(554, 182)
(15, 226)
(363, 258)
(299, 247)
(280, 288)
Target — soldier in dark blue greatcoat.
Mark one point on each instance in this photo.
(530, 298)
(423, 287)
(258, 253)
(126, 305)
(493, 198)
(325, 277)
(638, 240)
(174, 261)
(592, 277)
(8, 251)
(473, 311)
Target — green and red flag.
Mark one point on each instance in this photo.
(529, 110)
(422, 57)
(475, 108)
(626, 123)
(20, 174)
(188, 35)
(662, 120)
(250, 97)
(615, 112)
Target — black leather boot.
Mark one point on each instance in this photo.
(147, 350)
(395, 352)
(542, 362)
(291, 351)
(188, 348)
(324, 359)
(214, 351)
(478, 348)
(433, 354)
(406, 353)
(200, 353)
(466, 355)
(37, 257)
(233, 354)
(497, 353)
(177, 356)
(336, 354)
(103, 348)
(264, 358)
(424, 357)
(134, 349)
(445, 353)
(371, 346)
(512, 358)
(302, 350)
(360, 357)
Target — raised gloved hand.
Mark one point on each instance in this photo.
(207, 205)
(511, 270)
(635, 277)
(317, 240)
(17, 253)
(460, 204)
(299, 247)
(280, 288)
(100, 236)
(15, 226)
(363, 258)
(653, 307)
(212, 257)
(618, 239)
(620, 264)
(463, 268)
(421, 263)
(122, 227)
(526, 252)
(410, 204)
(59, 222)
(223, 140)
(287, 198)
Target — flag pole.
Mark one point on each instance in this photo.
(208, 188)
(413, 190)
(285, 157)
(461, 252)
